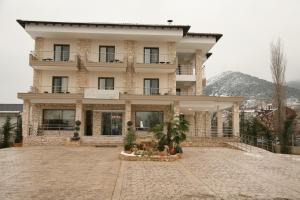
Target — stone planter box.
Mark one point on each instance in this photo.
(131, 157)
(73, 143)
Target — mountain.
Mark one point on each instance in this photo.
(294, 84)
(239, 84)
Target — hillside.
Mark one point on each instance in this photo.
(239, 84)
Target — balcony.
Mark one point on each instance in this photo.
(95, 93)
(56, 90)
(162, 63)
(50, 60)
(185, 73)
(114, 62)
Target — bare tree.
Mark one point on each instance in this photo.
(278, 68)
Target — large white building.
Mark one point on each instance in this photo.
(106, 74)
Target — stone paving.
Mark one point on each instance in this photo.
(97, 173)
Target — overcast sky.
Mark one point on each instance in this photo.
(248, 28)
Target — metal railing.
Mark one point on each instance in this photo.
(185, 70)
(155, 59)
(105, 57)
(53, 56)
(56, 89)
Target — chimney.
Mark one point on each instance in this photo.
(170, 21)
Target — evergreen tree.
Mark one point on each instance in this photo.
(7, 130)
(18, 132)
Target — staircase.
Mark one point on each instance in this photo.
(102, 141)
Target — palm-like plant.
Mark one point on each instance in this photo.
(176, 128)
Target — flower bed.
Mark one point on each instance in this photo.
(133, 157)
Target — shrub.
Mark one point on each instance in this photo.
(18, 131)
(77, 129)
(7, 128)
(130, 137)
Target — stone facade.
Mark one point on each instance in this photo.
(198, 68)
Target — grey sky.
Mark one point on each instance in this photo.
(248, 27)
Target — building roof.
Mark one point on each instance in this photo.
(11, 107)
(185, 28)
(215, 35)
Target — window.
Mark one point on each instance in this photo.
(178, 90)
(60, 84)
(58, 119)
(147, 120)
(151, 86)
(151, 55)
(106, 53)
(106, 83)
(61, 52)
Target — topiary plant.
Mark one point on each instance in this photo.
(77, 129)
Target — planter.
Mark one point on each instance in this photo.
(163, 153)
(165, 158)
(72, 143)
(18, 144)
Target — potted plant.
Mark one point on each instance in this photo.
(77, 129)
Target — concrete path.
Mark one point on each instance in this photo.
(97, 173)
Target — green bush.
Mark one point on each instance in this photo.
(7, 130)
(18, 131)
(130, 138)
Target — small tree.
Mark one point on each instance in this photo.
(7, 130)
(18, 131)
(130, 137)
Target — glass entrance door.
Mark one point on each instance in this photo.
(111, 123)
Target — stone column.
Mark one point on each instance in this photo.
(208, 124)
(36, 85)
(97, 115)
(172, 76)
(176, 108)
(127, 114)
(25, 118)
(39, 48)
(129, 77)
(79, 116)
(219, 123)
(235, 119)
(36, 116)
(198, 70)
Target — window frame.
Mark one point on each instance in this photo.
(61, 117)
(151, 93)
(106, 53)
(61, 52)
(151, 48)
(54, 90)
(106, 78)
(147, 128)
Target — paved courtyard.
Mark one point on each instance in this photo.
(97, 173)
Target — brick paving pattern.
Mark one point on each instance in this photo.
(97, 173)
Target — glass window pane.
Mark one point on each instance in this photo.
(102, 54)
(109, 84)
(147, 55)
(64, 84)
(102, 83)
(147, 120)
(57, 53)
(110, 54)
(147, 87)
(154, 55)
(65, 52)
